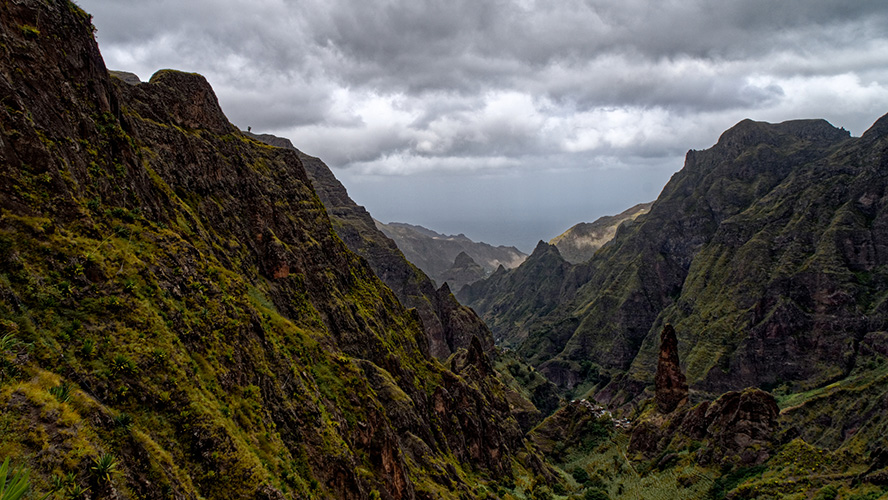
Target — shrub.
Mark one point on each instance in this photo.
(828, 492)
(580, 475)
(30, 31)
(75, 491)
(122, 364)
(88, 347)
(596, 494)
(123, 421)
(8, 342)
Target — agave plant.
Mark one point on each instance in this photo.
(14, 488)
(61, 392)
(123, 421)
(8, 342)
(104, 466)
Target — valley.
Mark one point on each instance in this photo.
(190, 311)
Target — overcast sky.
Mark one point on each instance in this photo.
(510, 121)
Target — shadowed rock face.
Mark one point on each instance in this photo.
(463, 271)
(671, 386)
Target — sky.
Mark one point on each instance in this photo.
(510, 120)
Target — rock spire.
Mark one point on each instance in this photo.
(671, 386)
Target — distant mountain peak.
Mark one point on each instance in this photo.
(580, 242)
(464, 259)
(440, 256)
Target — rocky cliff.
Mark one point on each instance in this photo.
(179, 317)
(448, 325)
(436, 254)
(751, 236)
(671, 387)
(580, 242)
(764, 252)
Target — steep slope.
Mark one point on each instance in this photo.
(580, 242)
(179, 317)
(448, 325)
(436, 253)
(509, 300)
(761, 251)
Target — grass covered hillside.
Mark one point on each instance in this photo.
(179, 319)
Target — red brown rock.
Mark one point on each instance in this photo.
(671, 386)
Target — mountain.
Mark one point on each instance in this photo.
(436, 254)
(580, 242)
(449, 326)
(766, 255)
(463, 271)
(180, 319)
(735, 244)
(764, 252)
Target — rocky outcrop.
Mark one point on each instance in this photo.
(579, 243)
(474, 358)
(126, 77)
(670, 384)
(183, 100)
(463, 271)
(738, 428)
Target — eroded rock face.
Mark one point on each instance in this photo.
(736, 428)
(671, 386)
(738, 425)
(779, 229)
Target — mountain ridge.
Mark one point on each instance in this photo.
(178, 309)
(436, 253)
(580, 242)
(449, 326)
(180, 317)
(713, 186)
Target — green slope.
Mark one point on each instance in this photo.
(179, 318)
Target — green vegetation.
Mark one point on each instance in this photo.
(29, 31)
(61, 392)
(180, 318)
(13, 485)
(197, 328)
(104, 467)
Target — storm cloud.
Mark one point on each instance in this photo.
(561, 111)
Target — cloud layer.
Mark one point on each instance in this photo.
(434, 89)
